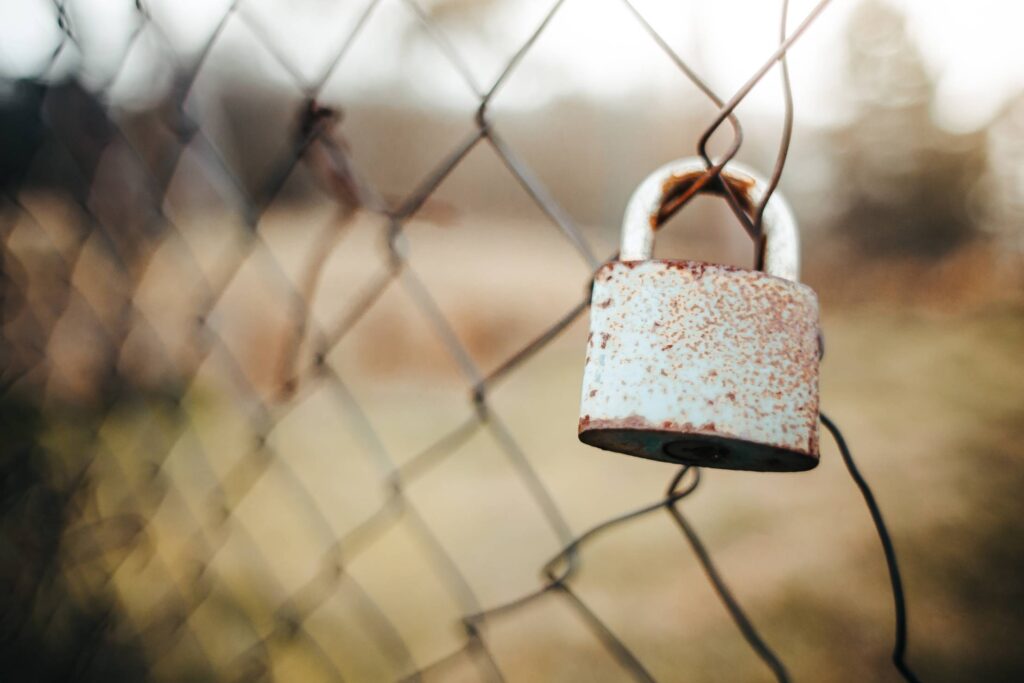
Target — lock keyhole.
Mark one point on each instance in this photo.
(697, 451)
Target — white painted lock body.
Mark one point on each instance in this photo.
(704, 364)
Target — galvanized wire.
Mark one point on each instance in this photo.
(314, 141)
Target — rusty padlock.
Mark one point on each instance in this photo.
(698, 363)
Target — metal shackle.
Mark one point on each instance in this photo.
(644, 213)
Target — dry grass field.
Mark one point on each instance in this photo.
(923, 371)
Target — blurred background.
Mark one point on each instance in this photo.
(294, 318)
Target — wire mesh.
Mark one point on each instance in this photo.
(92, 539)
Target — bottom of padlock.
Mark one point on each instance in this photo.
(702, 450)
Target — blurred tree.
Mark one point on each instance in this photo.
(21, 129)
(905, 181)
(50, 630)
(1004, 184)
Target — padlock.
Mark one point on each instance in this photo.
(698, 363)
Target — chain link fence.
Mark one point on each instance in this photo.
(154, 483)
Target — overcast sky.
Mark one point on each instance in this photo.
(593, 48)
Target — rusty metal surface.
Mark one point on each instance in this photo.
(697, 363)
(667, 189)
(702, 364)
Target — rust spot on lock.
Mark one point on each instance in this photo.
(677, 190)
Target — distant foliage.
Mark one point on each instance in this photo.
(906, 182)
